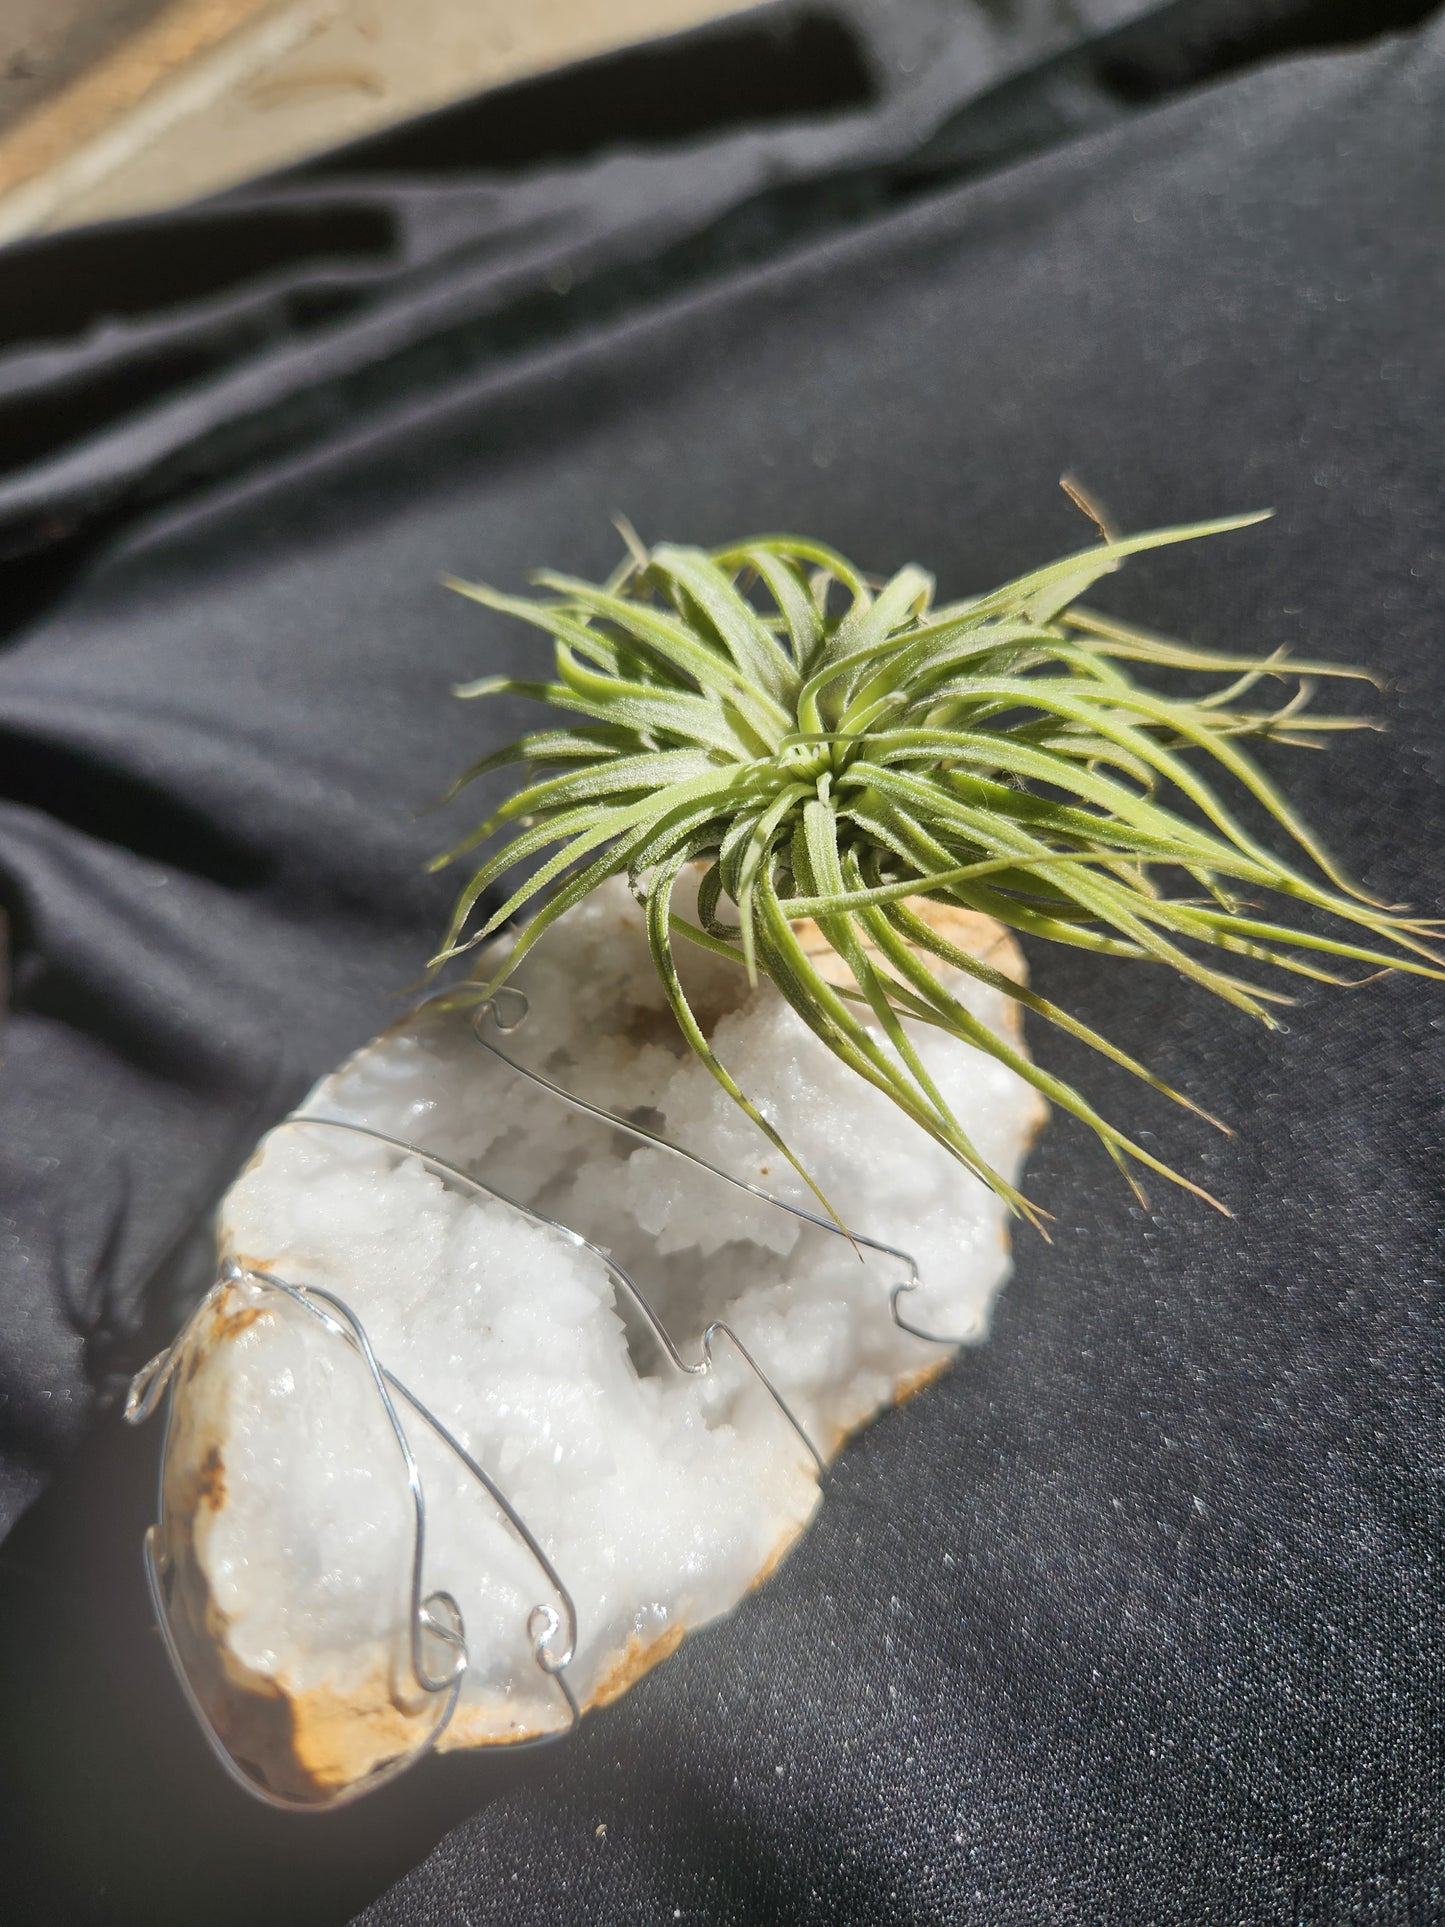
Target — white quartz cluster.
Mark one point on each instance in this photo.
(660, 1497)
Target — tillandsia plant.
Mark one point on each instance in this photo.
(828, 747)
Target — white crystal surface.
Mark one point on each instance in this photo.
(660, 1497)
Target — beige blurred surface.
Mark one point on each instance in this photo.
(133, 104)
(45, 44)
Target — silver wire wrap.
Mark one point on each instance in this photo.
(436, 1616)
(516, 999)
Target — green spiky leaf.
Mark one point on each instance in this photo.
(826, 749)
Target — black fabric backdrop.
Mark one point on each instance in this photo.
(1138, 1616)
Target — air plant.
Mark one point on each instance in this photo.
(829, 747)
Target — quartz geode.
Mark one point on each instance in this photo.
(659, 1496)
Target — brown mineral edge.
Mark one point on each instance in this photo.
(312, 1744)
